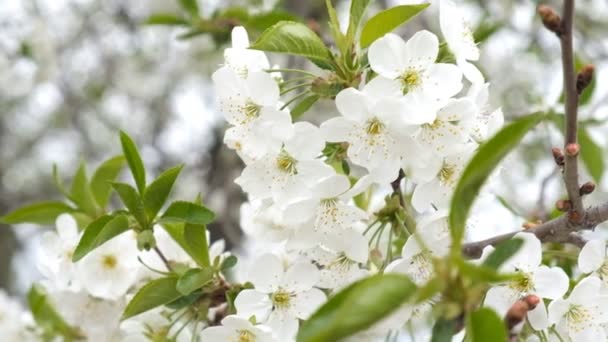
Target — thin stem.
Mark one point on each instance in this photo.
(302, 94)
(150, 268)
(162, 257)
(571, 110)
(297, 86)
(295, 79)
(291, 70)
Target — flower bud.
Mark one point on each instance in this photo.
(550, 18)
(146, 240)
(532, 301)
(572, 150)
(558, 156)
(563, 205)
(326, 88)
(584, 77)
(516, 314)
(587, 188)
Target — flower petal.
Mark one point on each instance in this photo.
(351, 103)
(301, 276)
(253, 303)
(387, 56)
(422, 49)
(592, 256)
(266, 273)
(551, 283)
(305, 303)
(306, 142)
(538, 317)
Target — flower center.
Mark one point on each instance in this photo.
(422, 267)
(281, 299)
(374, 127)
(245, 336)
(410, 80)
(252, 110)
(109, 261)
(446, 174)
(286, 163)
(577, 315)
(523, 284)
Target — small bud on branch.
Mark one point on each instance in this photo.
(563, 205)
(550, 19)
(572, 150)
(584, 77)
(518, 311)
(587, 188)
(558, 156)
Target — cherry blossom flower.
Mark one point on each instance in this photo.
(240, 58)
(240, 329)
(57, 249)
(592, 259)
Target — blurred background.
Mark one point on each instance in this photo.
(74, 72)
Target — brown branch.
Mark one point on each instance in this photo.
(560, 230)
(571, 110)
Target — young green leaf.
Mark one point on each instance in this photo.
(503, 252)
(443, 330)
(134, 160)
(191, 6)
(187, 212)
(194, 279)
(81, 193)
(357, 9)
(480, 167)
(46, 317)
(295, 39)
(158, 292)
(99, 232)
(484, 325)
(334, 25)
(131, 199)
(591, 154)
(357, 307)
(388, 20)
(304, 106)
(262, 21)
(197, 246)
(165, 19)
(157, 192)
(106, 173)
(38, 213)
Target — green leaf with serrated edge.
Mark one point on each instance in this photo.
(187, 212)
(262, 21)
(106, 173)
(38, 213)
(357, 307)
(194, 279)
(99, 232)
(443, 330)
(479, 168)
(165, 19)
(484, 325)
(357, 9)
(388, 20)
(591, 154)
(191, 6)
(136, 165)
(334, 25)
(157, 192)
(154, 294)
(295, 39)
(46, 317)
(80, 192)
(131, 199)
(195, 237)
(303, 106)
(502, 253)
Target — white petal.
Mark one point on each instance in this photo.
(305, 303)
(551, 283)
(283, 325)
(380, 87)
(301, 276)
(557, 309)
(306, 142)
(356, 248)
(263, 89)
(538, 317)
(427, 194)
(501, 298)
(586, 291)
(236, 323)
(239, 36)
(253, 303)
(266, 273)
(352, 104)
(67, 228)
(590, 333)
(217, 334)
(337, 129)
(444, 80)
(332, 186)
(592, 256)
(529, 255)
(471, 72)
(300, 211)
(422, 49)
(387, 56)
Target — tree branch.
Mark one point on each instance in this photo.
(571, 109)
(560, 230)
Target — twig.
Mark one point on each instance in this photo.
(163, 258)
(396, 185)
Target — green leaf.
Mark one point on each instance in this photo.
(197, 246)
(480, 167)
(304, 106)
(334, 25)
(188, 212)
(295, 39)
(157, 192)
(191, 6)
(503, 252)
(229, 262)
(134, 160)
(99, 232)
(262, 21)
(591, 154)
(81, 193)
(106, 173)
(357, 9)
(443, 330)
(357, 307)
(194, 279)
(154, 294)
(131, 199)
(46, 317)
(38, 213)
(165, 19)
(388, 20)
(484, 325)
(482, 273)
